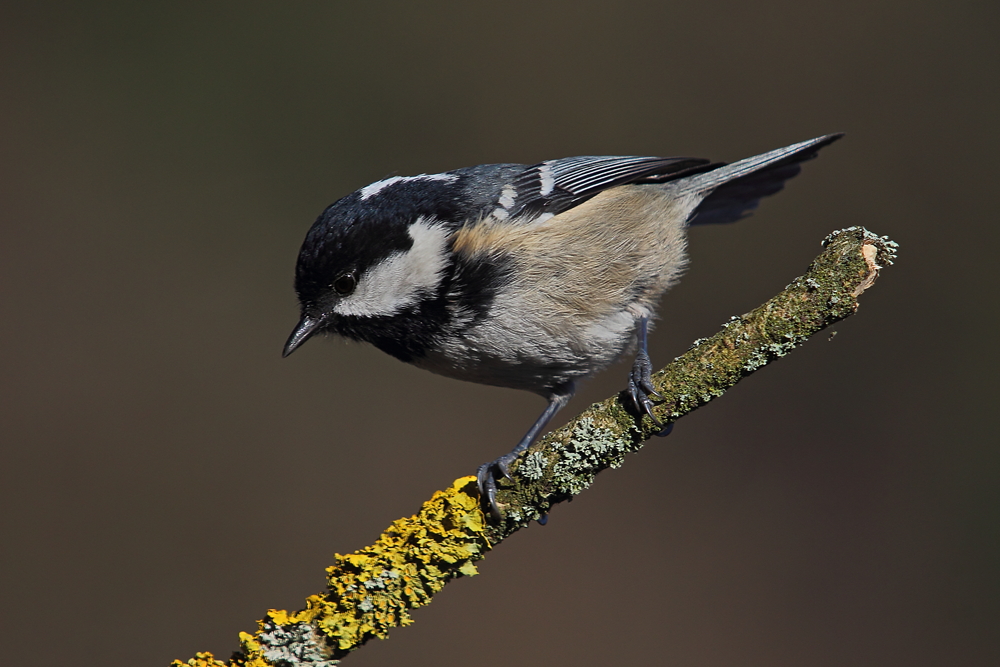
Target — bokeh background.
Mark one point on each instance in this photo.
(166, 477)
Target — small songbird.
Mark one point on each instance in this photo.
(530, 277)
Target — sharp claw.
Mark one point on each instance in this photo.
(647, 386)
(644, 369)
(491, 496)
(640, 387)
(487, 475)
(486, 481)
(647, 409)
(482, 474)
(640, 382)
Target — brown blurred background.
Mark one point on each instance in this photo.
(167, 477)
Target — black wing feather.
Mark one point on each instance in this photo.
(736, 199)
(557, 185)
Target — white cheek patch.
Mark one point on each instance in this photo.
(370, 191)
(401, 279)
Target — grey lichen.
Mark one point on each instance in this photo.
(534, 465)
(295, 645)
(887, 248)
(756, 359)
(590, 448)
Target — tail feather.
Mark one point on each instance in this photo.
(735, 190)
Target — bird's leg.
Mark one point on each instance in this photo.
(640, 382)
(488, 473)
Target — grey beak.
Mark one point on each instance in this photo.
(303, 331)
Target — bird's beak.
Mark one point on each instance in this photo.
(303, 331)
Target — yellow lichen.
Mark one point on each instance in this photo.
(372, 590)
(199, 660)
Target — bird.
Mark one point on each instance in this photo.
(531, 277)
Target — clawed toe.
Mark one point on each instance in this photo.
(666, 430)
(489, 473)
(486, 479)
(643, 405)
(640, 388)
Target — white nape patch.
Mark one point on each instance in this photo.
(402, 278)
(370, 191)
(507, 197)
(548, 179)
(500, 214)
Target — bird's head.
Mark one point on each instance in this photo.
(369, 257)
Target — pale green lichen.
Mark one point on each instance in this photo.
(756, 359)
(295, 645)
(533, 466)
(590, 449)
(887, 249)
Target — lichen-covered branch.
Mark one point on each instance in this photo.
(372, 590)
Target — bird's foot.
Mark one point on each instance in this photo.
(640, 387)
(489, 473)
(487, 477)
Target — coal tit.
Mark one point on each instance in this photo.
(530, 277)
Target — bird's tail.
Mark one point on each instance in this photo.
(732, 191)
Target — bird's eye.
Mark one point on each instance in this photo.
(345, 284)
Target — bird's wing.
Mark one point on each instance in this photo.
(554, 186)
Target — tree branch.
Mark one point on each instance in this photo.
(372, 590)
